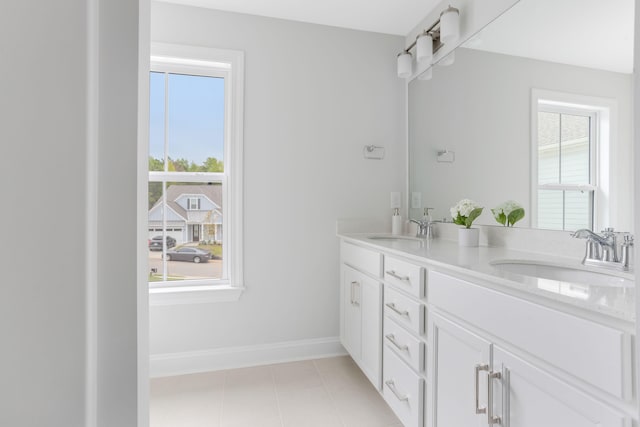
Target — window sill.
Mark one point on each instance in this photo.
(194, 295)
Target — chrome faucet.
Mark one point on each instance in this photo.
(602, 249)
(425, 228)
(425, 225)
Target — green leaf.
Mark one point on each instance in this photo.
(515, 216)
(499, 215)
(472, 216)
(459, 220)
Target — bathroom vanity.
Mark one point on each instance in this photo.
(450, 337)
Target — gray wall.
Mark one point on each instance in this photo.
(62, 365)
(314, 96)
(480, 108)
(42, 309)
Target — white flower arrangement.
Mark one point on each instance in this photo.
(465, 212)
(508, 213)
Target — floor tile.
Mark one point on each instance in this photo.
(330, 392)
(308, 407)
(296, 376)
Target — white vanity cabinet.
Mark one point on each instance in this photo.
(403, 384)
(555, 372)
(361, 309)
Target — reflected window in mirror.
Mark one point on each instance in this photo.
(567, 144)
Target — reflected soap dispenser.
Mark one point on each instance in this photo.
(396, 219)
(396, 222)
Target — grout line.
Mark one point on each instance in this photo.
(275, 390)
(331, 398)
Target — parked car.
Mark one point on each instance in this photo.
(188, 254)
(155, 244)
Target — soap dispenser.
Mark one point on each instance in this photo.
(396, 222)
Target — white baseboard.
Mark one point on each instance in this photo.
(169, 364)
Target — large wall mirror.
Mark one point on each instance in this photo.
(536, 108)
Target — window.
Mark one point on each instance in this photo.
(194, 203)
(195, 176)
(569, 148)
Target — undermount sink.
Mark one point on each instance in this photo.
(550, 271)
(393, 238)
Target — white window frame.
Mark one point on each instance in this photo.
(604, 128)
(190, 206)
(181, 59)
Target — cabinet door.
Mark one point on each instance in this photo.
(369, 294)
(351, 313)
(457, 362)
(526, 396)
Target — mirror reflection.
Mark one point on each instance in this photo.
(536, 108)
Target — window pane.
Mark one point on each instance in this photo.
(196, 123)
(548, 147)
(565, 210)
(550, 209)
(575, 149)
(577, 210)
(193, 236)
(156, 121)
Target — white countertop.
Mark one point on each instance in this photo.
(614, 301)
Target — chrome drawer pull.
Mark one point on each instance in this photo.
(393, 274)
(392, 306)
(491, 419)
(393, 341)
(392, 387)
(354, 301)
(479, 368)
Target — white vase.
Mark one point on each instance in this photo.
(468, 237)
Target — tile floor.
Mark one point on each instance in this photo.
(315, 393)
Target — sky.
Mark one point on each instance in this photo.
(195, 117)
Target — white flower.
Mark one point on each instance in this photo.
(464, 207)
(508, 207)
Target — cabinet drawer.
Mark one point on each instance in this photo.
(406, 346)
(402, 389)
(597, 354)
(404, 275)
(404, 310)
(361, 258)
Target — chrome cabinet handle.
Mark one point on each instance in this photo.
(392, 387)
(351, 293)
(393, 274)
(393, 341)
(491, 419)
(479, 368)
(392, 306)
(355, 298)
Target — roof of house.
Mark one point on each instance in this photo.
(212, 191)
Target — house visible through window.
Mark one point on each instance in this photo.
(193, 214)
(566, 151)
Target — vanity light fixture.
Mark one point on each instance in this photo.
(424, 48)
(449, 25)
(445, 30)
(405, 64)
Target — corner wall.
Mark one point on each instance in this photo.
(314, 96)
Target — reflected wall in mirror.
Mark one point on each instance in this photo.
(537, 109)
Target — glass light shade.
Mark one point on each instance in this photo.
(449, 25)
(448, 60)
(405, 65)
(427, 75)
(424, 48)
